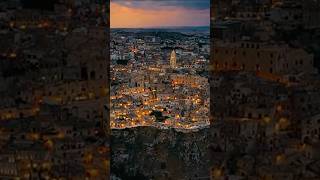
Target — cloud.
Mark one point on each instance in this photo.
(152, 13)
(169, 4)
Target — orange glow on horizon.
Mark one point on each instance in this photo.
(127, 17)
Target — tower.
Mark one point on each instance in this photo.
(173, 59)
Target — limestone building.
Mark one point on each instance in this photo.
(173, 60)
(268, 58)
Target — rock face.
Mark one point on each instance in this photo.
(162, 154)
(222, 150)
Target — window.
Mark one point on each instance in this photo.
(93, 75)
(84, 73)
(243, 66)
(257, 67)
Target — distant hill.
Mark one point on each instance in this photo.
(180, 29)
(163, 34)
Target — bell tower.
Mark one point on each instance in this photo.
(173, 60)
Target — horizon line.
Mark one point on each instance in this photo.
(158, 27)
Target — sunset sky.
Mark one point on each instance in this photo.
(159, 13)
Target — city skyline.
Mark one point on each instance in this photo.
(155, 14)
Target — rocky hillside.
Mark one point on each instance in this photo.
(150, 153)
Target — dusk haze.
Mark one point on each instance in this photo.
(166, 13)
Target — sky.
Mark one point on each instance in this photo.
(159, 13)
